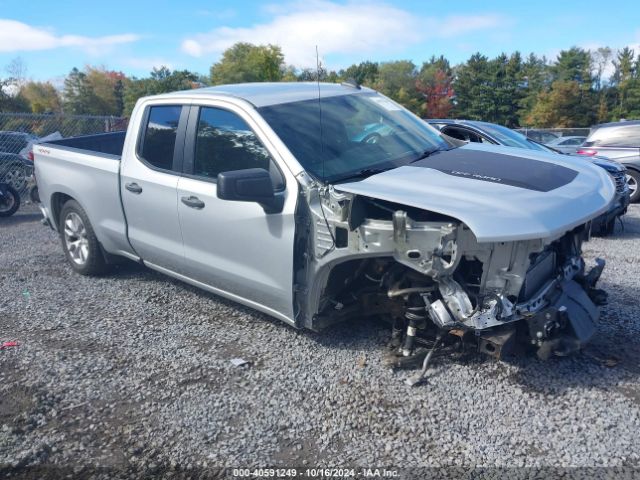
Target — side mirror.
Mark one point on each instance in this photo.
(250, 185)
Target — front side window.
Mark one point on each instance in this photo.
(224, 142)
(160, 134)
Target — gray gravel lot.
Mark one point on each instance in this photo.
(131, 372)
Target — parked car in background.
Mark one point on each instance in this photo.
(618, 141)
(16, 165)
(568, 144)
(15, 170)
(14, 142)
(485, 132)
(540, 136)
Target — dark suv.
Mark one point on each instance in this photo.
(619, 141)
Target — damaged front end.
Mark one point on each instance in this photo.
(427, 274)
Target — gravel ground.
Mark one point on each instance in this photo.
(131, 373)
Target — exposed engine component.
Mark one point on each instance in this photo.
(442, 291)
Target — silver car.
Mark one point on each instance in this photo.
(618, 141)
(568, 144)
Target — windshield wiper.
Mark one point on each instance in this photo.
(366, 172)
(426, 153)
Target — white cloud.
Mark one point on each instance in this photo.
(352, 28)
(17, 36)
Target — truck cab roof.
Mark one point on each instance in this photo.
(265, 94)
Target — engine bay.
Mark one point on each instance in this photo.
(439, 288)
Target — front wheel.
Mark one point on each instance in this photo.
(79, 241)
(9, 201)
(633, 178)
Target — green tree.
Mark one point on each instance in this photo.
(78, 96)
(244, 62)
(161, 80)
(364, 73)
(42, 97)
(625, 72)
(474, 92)
(507, 82)
(397, 80)
(536, 78)
(573, 65)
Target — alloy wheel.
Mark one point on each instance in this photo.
(75, 238)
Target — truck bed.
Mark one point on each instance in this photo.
(87, 169)
(108, 144)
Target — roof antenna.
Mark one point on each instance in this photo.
(320, 109)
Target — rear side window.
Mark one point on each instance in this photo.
(159, 141)
(622, 136)
(224, 142)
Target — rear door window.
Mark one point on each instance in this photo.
(159, 139)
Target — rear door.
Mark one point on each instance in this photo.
(149, 181)
(235, 247)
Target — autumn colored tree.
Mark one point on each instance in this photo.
(564, 105)
(94, 91)
(435, 83)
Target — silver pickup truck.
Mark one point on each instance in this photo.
(318, 203)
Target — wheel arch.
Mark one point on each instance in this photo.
(58, 199)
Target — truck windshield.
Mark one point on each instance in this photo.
(360, 132)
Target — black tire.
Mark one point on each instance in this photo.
(634, 180)
(92, 262)
(33, 194)
(10, 203)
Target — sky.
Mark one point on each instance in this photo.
(52, 37)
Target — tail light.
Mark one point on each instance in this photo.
(586, 151)
(30, 155)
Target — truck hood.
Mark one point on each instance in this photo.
(500, 193)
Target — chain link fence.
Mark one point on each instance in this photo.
(19, 131)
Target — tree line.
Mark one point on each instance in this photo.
(577, 89)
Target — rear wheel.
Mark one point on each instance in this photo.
(80, 244)
(633, 178)
(9, 202)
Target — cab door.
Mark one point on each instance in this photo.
(235, 248)
(148, 187)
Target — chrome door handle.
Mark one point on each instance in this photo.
(133, 187)
(193, 202)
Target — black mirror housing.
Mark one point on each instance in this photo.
(250, 185)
